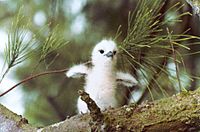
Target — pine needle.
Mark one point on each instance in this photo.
(147, 44)
(18, 49)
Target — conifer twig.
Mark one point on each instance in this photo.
(38, 75)
(32, 77)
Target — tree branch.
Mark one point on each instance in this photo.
(177, 113)
(95, 112)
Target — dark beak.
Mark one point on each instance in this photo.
(109, 54)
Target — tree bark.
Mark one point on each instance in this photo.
(180, 112)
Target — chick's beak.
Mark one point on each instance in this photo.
(109, 54)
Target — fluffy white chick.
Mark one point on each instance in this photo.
(101, 78)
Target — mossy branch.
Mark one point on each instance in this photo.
(177, 113)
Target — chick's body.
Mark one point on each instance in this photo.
(101, 79)
(101, 86)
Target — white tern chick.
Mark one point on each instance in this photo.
(101, 78)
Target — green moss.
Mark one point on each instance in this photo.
(177, 109)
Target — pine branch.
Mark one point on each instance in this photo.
(52, 43)
(147, 47)
(17, 48)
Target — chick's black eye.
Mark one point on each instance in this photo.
(101, 51)
(114, 52)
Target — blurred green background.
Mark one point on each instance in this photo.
(52, 98)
